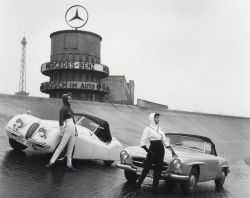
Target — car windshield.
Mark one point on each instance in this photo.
(78, 118)
(89, 124)
(186, 142)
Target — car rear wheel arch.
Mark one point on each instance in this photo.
(219, 182)
(226, 170)
(197, 168)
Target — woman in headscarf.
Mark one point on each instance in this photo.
(153, 141)
(67, 133)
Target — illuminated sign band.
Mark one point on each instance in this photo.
(47, 86)
(74, 65)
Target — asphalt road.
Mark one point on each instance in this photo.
(22, 174)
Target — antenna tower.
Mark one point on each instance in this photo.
(22, 80)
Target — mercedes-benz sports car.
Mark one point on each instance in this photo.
(189, 159)
(94, 140)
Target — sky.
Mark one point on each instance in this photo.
(192, 55)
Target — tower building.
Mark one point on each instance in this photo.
(22, 79)
(75, 65)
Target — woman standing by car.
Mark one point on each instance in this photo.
(67, 133)
(154, 137)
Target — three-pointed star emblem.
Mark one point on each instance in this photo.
(76, 16)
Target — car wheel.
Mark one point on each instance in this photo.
(131, 176)
(189, 186)
(16, 145)
(107, 162)
(220, 181)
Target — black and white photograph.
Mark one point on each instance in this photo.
(125, 99)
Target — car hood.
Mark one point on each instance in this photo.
(50, 123)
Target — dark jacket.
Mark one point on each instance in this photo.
(65, 112)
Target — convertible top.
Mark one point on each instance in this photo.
(206, 139)
(91, 117)
(102, 133)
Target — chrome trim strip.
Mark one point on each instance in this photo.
(137, 161)
(126, 167)
(164, 167)
(175, 176)
(163, 175)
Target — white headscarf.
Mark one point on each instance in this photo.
(148, 132)
(151, 118)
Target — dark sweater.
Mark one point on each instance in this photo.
(65, 113)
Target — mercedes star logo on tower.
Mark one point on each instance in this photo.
(76, 16)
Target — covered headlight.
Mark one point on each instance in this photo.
(42, 132)
(18, 124)
(124, 155)
(177, 163)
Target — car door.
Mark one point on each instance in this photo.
(86, 142)
(212, 161)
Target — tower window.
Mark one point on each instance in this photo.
(83, 57)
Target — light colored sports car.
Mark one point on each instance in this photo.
(189, 159)
(94, 140)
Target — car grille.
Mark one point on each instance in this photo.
(138, 162)
(40, 144)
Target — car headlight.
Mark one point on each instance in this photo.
(124, 155)
(18, 124)
(177, 163)
(42, 132)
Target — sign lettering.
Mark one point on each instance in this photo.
(74, 85)
(74, 65)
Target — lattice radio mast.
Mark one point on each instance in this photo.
(22, 80)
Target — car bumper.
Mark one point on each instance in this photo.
(164, 175)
